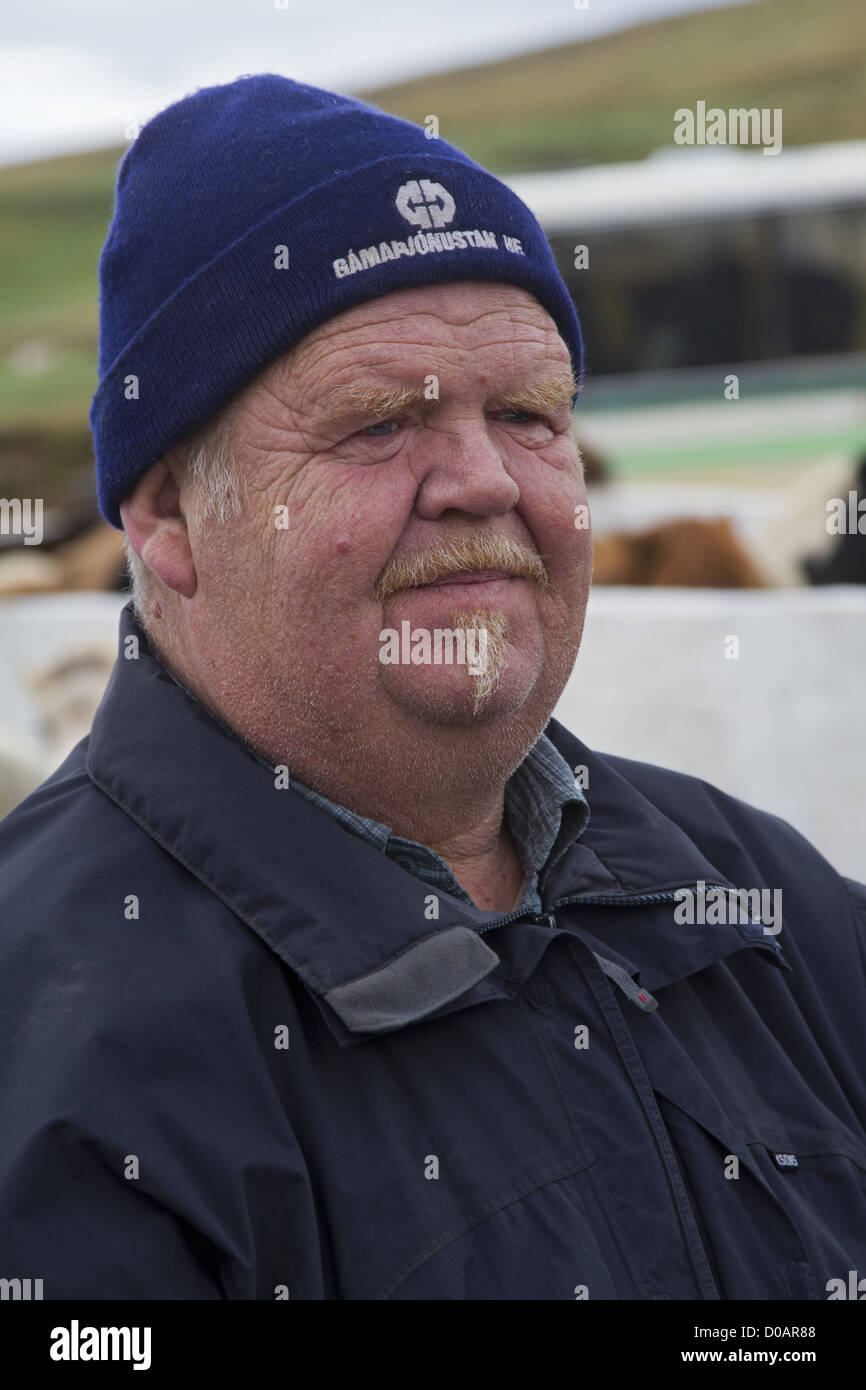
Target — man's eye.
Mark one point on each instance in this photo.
(526, 416)
(381, 429)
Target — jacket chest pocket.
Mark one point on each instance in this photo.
(781, 1218)
(820, 1179)
(777, 1176)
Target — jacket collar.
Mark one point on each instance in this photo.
(362, 939)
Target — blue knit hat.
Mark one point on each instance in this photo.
(245, 215)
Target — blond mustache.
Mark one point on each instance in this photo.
(478, 552)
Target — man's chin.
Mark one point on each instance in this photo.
(454, 696)
(481, 669)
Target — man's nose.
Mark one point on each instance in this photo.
(462, 469)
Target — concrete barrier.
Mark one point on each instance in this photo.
(56, 651)
(775, 717)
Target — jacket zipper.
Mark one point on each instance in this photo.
(647, 1003)
(611, 970)
(594, 900)
(639, 998)
(634, 900)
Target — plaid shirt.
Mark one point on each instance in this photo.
(546, 813)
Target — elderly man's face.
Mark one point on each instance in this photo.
(429, 418)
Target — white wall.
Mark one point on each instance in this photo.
(782, 726)
(36, 631)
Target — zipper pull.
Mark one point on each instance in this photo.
(640, 998)
(546, 919)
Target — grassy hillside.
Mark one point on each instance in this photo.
(609, 99)
(614, 97)
(53, 219)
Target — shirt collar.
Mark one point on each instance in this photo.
(547, 811)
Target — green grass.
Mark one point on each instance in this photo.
(61, 392)
(613, 98)
(54, 216)
(699, 460)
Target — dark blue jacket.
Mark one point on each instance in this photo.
(241, 1058)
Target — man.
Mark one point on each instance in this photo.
(331, 970)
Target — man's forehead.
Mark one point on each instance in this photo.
(389, 376)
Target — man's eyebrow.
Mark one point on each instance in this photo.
(550, 393)
(358, 399)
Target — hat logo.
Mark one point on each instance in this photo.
(425, 204)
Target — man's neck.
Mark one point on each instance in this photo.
(453, 806)
(487, 868)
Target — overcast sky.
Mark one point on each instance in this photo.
(74, 72)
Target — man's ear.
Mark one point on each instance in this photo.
(156, 526)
